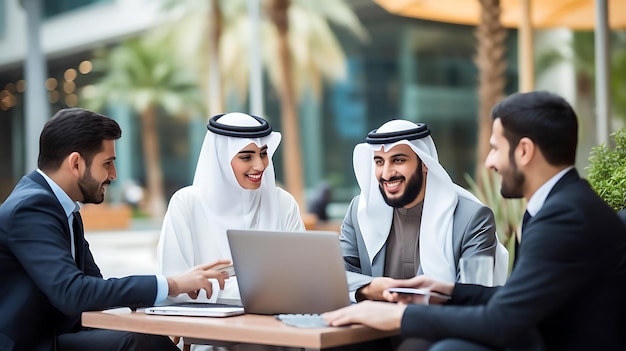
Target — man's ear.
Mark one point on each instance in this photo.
(525, 151)
(76, 163)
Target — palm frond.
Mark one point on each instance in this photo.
(139, 74)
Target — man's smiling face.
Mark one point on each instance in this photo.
(401, 176)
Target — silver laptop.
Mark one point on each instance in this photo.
(289, 272)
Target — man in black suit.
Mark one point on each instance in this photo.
(569, 281)
(48, 276)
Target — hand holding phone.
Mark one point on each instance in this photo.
(418, 296)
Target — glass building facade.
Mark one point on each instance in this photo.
(412, 69)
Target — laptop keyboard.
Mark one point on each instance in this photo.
(303, 320)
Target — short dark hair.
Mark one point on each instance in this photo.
(545, 118)
(74, 130)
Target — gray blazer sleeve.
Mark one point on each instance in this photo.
(355, 257)
(474, 232)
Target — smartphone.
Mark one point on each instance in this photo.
(424, 292)
(226, 267)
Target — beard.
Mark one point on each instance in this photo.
(412, 189)
(90, 188)
(512, 181)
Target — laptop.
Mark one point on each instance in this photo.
(289, 272)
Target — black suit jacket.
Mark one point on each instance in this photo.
(569, 282)
(622, 215)
(42, 289)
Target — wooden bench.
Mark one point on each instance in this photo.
(106, 217)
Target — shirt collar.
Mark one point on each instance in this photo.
(539, 197)
(68, 205)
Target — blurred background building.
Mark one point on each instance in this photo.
(407, 68)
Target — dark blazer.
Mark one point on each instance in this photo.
(569, 282)
(622, 215)
(43, 290)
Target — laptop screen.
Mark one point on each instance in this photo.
(289, 272)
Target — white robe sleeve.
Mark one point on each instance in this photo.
(175, 249)
(175, 253)
(292, 220)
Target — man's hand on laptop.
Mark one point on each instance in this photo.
(375, 314)
(197, 278)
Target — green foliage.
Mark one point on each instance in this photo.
(315, 49)
(142, 74)
(607, 171)
(618, 84)
(507, 213)
(581, 54)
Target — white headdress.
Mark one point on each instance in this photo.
(441, 197)
(226, 204)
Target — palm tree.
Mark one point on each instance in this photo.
(143, 75)
(277, 12)
(300, 28)
(491, 65)
(195, 28)
(299, 51)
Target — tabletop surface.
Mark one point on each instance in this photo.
(247, 328)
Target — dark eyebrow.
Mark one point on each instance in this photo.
(252, 151)
(376, 157)
(112, 158)
(400, 155)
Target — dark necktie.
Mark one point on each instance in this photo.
(525, 220)
(77, 226)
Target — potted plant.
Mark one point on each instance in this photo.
(607, 172)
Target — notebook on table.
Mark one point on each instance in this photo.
(289, 272)
(201, 309)
(198, 309)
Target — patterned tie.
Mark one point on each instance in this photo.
(77, 226)
(525, 220)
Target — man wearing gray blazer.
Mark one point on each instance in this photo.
(410, 218)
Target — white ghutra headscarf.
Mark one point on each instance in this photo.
(225, 203)
(440, 200)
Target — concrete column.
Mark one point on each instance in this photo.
(255, 80)
(603, 72)
(36, 102)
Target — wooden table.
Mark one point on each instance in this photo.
(248, 328)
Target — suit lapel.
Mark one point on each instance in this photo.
(568, 178)
(77, 223)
